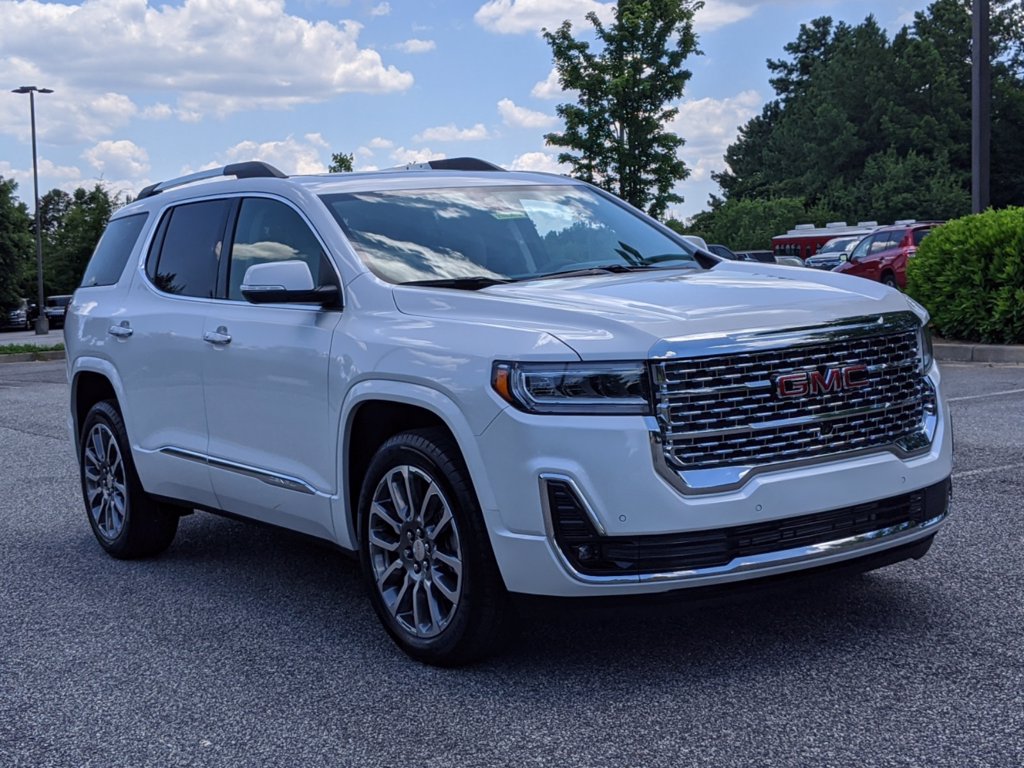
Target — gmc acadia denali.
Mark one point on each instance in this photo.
(486, 382)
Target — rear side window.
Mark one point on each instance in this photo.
(920, 234)
(186, 255)
(112, 251)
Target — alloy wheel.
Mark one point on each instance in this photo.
(106, 488)
(415, 551)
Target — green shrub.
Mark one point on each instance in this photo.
(969, 274)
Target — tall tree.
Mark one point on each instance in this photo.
(74, 236)
(616, 132)
(15, 242)
(874, 128)
(341, 163)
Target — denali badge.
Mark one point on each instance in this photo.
(821, 381)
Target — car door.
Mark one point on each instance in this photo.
(272, 446)
(156, 341)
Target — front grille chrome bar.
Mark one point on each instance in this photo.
(721, 416)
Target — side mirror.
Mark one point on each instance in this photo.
(285, 282)
(844, 257)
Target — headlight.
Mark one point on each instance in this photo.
(925, 343)
(574, 388)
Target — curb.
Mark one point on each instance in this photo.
(32, 357)
(979, 353)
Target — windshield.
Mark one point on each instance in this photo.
(483, 235)
(837, 246)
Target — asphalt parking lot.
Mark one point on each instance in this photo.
(246, 647)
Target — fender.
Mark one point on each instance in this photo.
(102, 366)
(431, 400)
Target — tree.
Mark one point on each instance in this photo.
(15, 242)
(71, 238)
(874, 128)
(617, 133)
(341, 163)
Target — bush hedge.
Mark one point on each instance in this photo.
(969, 274)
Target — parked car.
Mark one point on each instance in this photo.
(724, 251)
(15, 316)
(765, 257)
(485, 382)
(833, 253)
(789, 261)
(883, 255)
(55, 307)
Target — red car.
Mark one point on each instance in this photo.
(883, 254)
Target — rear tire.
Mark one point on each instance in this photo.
(126, 521)
(425, 553)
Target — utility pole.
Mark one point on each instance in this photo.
(981, 106)
(42, 323)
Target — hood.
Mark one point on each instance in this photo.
(622, 316)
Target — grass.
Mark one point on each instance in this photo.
(19, 349)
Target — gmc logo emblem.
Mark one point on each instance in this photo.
(819, 382)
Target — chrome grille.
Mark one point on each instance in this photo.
(723, 410)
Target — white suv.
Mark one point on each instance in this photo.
(488, 382)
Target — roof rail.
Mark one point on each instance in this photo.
(452, 164)
(834, 224)
(252, 169)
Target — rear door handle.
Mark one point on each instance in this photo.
(122, 331)
(220, 336)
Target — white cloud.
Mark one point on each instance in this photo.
(721, 13)
(544, 162)
(518, 16)
(64, 176)
(159, 111)
(381, 9)
(216, 56)
(709, 127)
(119, 159)
(403, 155)
(548, 88)
(521, 117)
(378, 142)
(451, 133)
(415, 45)
(290, 155)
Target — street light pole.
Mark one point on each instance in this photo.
(981, 106)
(42, 323)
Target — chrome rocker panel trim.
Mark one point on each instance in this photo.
(270, 478)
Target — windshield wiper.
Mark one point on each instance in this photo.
(474, 283)
(604, 269)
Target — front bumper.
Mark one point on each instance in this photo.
(607, 461)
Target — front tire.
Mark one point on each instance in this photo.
(889, 279)
(425, 554)
(126, 521)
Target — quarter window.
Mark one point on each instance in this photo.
(112, 252)
(269, 230)
(190, 249)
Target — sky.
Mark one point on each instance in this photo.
(147, 91)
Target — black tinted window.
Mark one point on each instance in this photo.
(112, 251)
(920, 234)
(269, 230)
(187, 263)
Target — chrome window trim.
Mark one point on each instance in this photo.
(807, 556)
(275, 479)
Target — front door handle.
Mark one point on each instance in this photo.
(122, 331)
(220, 336)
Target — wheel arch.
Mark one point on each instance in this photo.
(377, 410)
(93, 380)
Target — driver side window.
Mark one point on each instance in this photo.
(269, 230)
